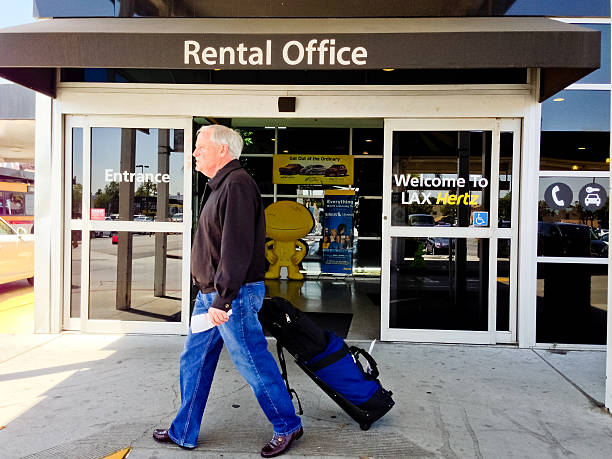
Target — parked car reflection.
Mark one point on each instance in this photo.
(560, 239)
(437, 245)
(17, 249)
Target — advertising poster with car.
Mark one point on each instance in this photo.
(337, 242)
(313, 169)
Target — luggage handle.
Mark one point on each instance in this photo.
(373, 368)
(283, 364)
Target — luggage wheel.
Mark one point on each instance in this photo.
(364, 426)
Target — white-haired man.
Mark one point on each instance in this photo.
(227, 265)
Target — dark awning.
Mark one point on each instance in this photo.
(30, 53)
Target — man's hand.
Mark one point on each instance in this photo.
(217, 316)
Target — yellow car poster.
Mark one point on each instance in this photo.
(313, 169)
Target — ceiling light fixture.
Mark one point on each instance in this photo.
(581, 148)
(388, 70)
(368, 140)
(558, 99)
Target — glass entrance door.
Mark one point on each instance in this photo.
(450, 230)
(127, 224)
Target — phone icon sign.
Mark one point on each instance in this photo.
(558, 196)
(555, 196)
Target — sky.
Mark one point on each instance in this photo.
(15, 12)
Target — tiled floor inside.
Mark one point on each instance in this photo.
(357, 296)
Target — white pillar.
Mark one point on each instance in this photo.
(42, 214)
(528, 228)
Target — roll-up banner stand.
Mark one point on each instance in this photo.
(337, 242)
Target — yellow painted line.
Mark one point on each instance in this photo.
(121, 454)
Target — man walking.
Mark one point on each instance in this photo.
(227, 264)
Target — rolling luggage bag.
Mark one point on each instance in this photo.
(328, 361)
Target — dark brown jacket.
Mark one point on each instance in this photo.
(229, 245)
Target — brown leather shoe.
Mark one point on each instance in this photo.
(161, 435)
(278, 445)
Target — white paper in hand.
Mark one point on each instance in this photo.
(201, 322)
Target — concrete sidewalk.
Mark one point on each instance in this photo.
(85, 396)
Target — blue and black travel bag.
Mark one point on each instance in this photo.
(328, 361)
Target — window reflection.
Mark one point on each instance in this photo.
(575, 151)
(577, 110)
(368, 141)
(572, 303)
(77, 173)
(439, 283)
(503, 284)
(504, 204)
(136, 277)
(440, 178)
(137, 174)
(75, 269)
(572, 231)
(569, 8)
(602, 74)
(257, 140)
(314, 141)
(261, 170)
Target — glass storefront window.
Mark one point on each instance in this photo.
(12, 203)
(368, 217)
(575, 151)
(440, 178)
(137, 174)
(257, 140)
(439, 283)
(368, 141)
(576, 131)
(572, 303)
(568, 8)
(503, 284)
(136, 277)
(313, 141)
(601, 75)
(261, 170)
(504, 203)
(577, 110)
(77, 173)
(572, 217)
(368, 176)
(75, 262)
(367, 255)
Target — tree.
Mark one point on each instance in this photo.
(148, 188)
(77, 197)
(109, 198)
(505, 207)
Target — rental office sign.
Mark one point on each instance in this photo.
(314, 51)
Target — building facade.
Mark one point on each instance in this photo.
(475, 142)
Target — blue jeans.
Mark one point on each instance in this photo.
(248, 348)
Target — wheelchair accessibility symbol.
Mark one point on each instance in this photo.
(481, 218)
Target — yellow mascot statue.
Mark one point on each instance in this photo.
(286, 223)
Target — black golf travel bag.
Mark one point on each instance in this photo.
(328, 361)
